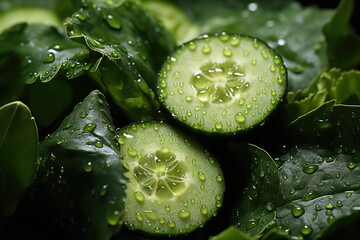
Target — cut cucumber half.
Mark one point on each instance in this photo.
(174, 184)
(222, 83)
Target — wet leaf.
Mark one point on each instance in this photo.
(256, 210)
(80, 164)
(134, 46)
(42, 53)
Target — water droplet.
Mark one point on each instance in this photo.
(184, 214)
(310, 169)
(201, 176)
(240, 118)
(204, 210)
(280, 79)
(218, 126)
(281, 42)
(171, 224)
(139, 217)
(318, 208)
(98, 144)
(329, 206)
(330, 159)
(113, 218)
(297, 211)
(351, 165)
(89, 128)
(218, 197)
(269, 206)
(227, 52)
(219, 178)
(83, 114)
(264, 54)
(80, 16)
(132, 152)
(339, 204)
(111, 20)
(206, 49)
(306, 230)
(103, 190)
(234, 41)
(251, 224)
(191, 46)
(298, 69)
(139, 197)
(224, 37)
(88, 167)
(151, 214)
(162, 220)
(114, 54)
(49, 57)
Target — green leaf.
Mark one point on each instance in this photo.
(343, 42)
(18, 154)
(134, 47)
(334, 84)
(332, 126)
(80, 164)
(255, 212)
(318, 187)
(42, 53)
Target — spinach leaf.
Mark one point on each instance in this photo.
(313, 185)
(133, 45)
(318, 187)
(331, 125)
(256, 211)
(18, 154)
(43, 53)
(80, 164)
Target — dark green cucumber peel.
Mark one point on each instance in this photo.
(174, 184)
(224, 83)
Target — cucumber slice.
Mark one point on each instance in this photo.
(222, 83)
(174, 184)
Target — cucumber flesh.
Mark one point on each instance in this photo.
(174, 184)
(222, 83)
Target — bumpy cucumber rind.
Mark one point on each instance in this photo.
(174, 184)
(222, 83)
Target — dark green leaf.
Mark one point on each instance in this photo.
(80, 164)
(334, 126)
(135, 46)
(42, 53)
(255, 211)
(18, 154)
(318, 187)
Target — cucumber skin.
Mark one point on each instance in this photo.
(280, 97)
(210, 195)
